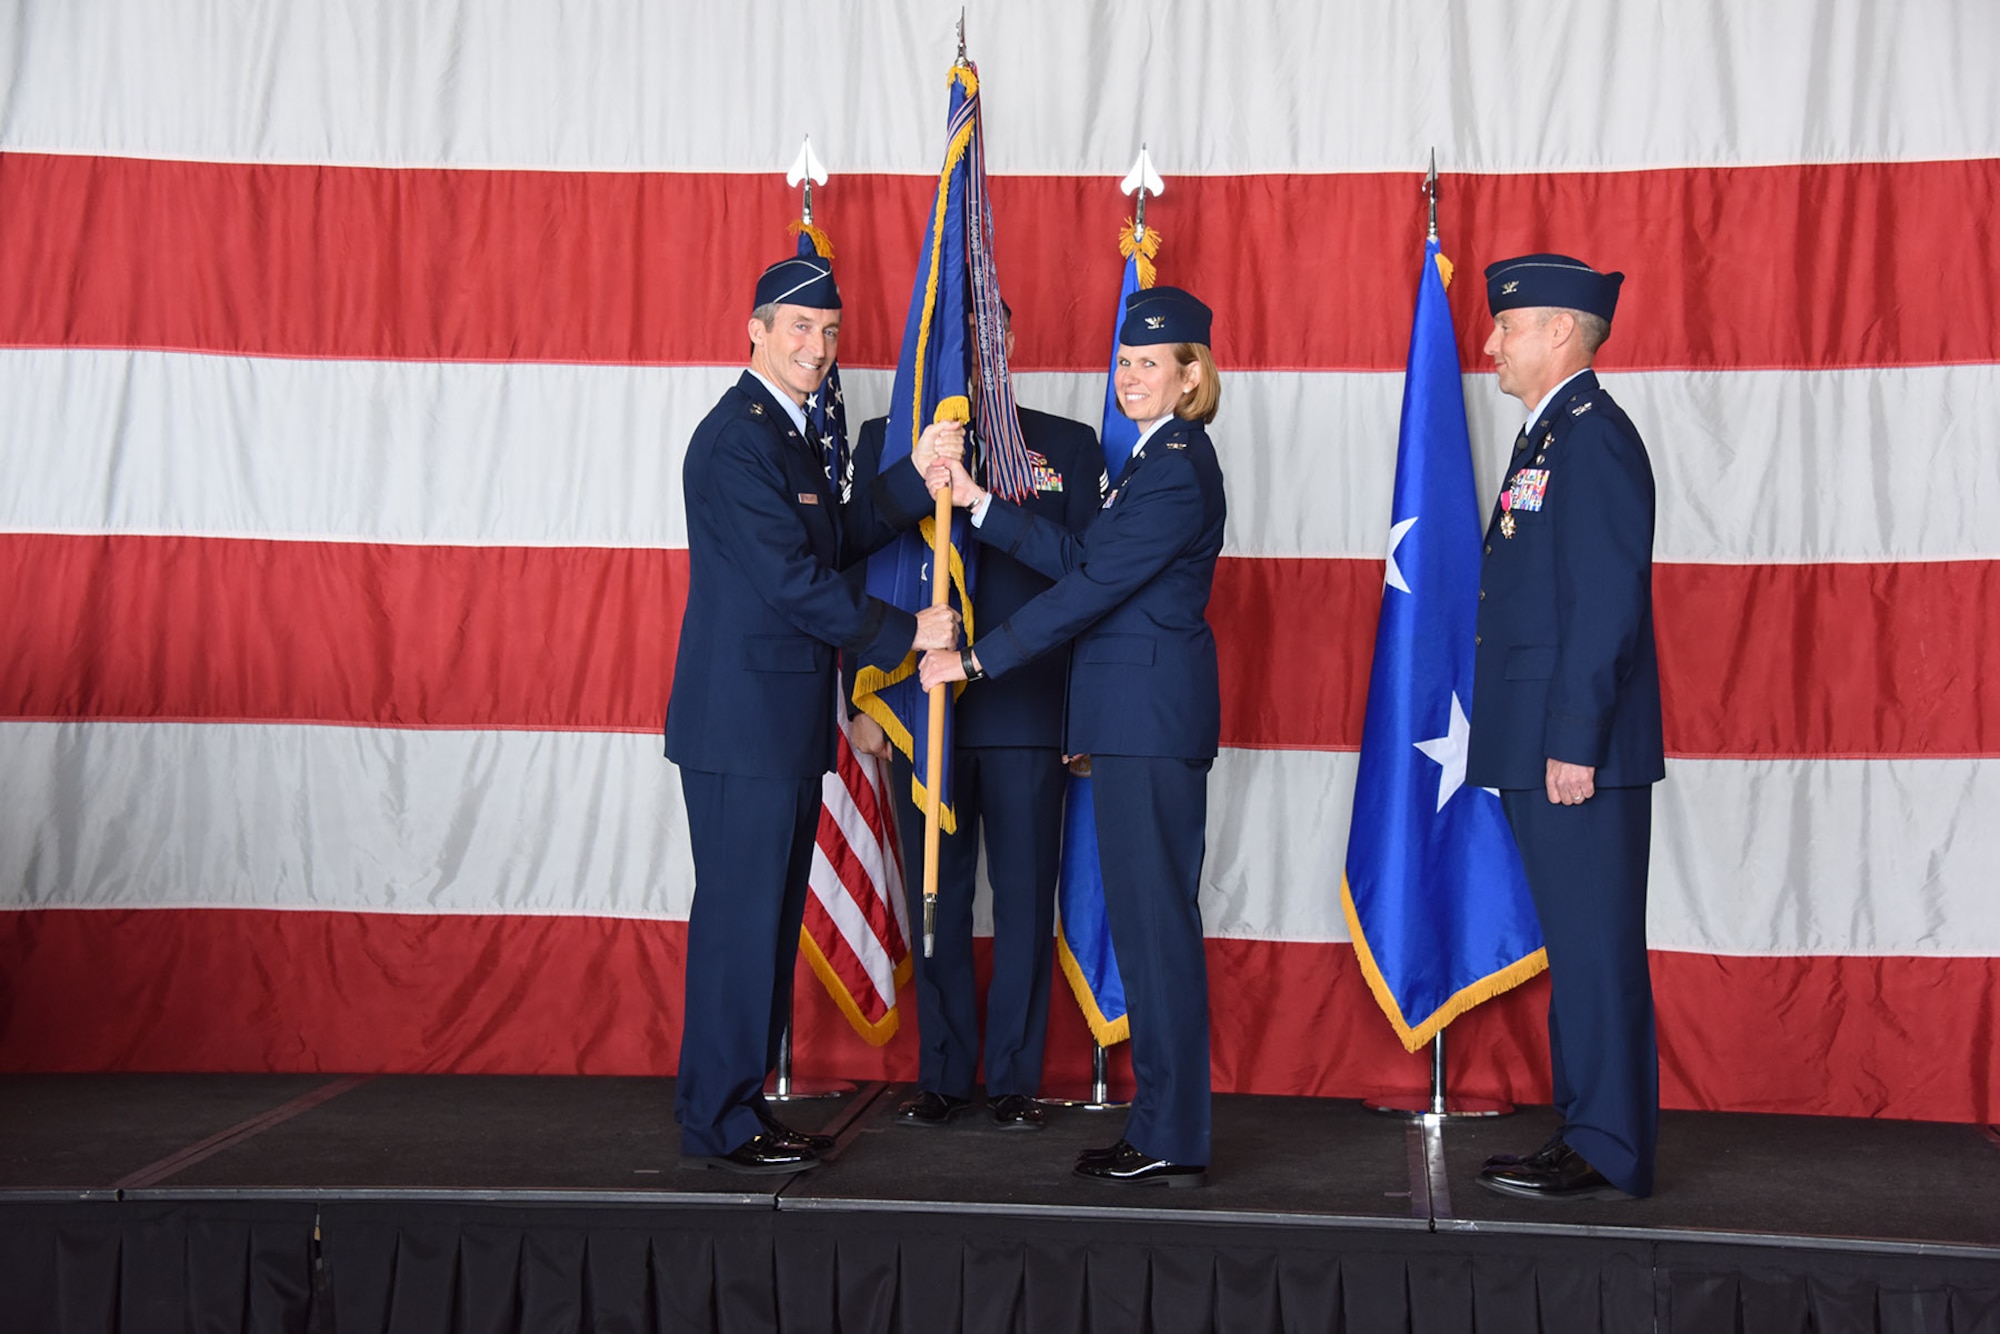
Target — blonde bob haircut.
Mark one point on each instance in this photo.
(1199, 404)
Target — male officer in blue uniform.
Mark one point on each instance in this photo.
(1007, 778)
(1144, 703)
(751, 719)
(1566, 718)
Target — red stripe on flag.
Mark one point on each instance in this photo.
(1756, 660)
(1838, 1036)
(861, 890)
(1728, 266)
(847, 967)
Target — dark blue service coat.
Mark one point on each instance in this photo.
(767, 603)
(1565, 666)
(1133, 595)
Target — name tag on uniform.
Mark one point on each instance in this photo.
(808, 498)
(1530, 485)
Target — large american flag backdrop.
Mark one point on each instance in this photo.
(348, 353)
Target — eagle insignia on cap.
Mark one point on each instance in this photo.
(1155, 321)
(1507, 288)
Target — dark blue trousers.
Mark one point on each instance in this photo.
(1012, 797)
(1586, 868)
(753, 847)
(1152, 820)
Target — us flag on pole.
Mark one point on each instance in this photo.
(856, 933)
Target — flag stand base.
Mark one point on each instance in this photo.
(1438, 1103)
(781, 1087)
(1099, 1097)
(1416, 1107)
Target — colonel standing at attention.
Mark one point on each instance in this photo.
(1566, 717)
(751, 718)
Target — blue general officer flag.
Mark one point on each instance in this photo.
(1083, 932)
(1434, 892)
(956, 294)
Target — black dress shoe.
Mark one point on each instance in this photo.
(1104, 1155)
(1128, 1166)
(760, 1155)
(929, 1108)
(1543, 1154)
(1561, 1174)
(790, 1138)
(1018, 1111)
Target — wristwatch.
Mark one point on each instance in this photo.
(970, 664)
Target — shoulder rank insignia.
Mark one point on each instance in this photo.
(1176, 444)
(756, 409)
(1582, 408)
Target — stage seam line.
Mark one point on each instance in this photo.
(154, 1173)
(850, 1115)
(842, 1128)
(1420, 1175)
(1440, 1183)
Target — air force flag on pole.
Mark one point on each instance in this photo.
(1083, 931)
(1434, 892)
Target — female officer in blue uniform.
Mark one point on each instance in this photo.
(1132, 592)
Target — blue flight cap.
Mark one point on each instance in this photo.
(1163, 315)
(1551, 280)
(801, 280)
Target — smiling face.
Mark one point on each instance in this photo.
(1151, 383)
(797, 351)
(1526, 346)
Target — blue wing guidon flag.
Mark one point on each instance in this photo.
(954, 315)
(1434, 892)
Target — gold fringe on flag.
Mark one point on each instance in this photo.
(1416, 1036)
(1142, 248)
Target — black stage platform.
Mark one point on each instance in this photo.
(299, 1202)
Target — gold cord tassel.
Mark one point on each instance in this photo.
(1142, 248)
